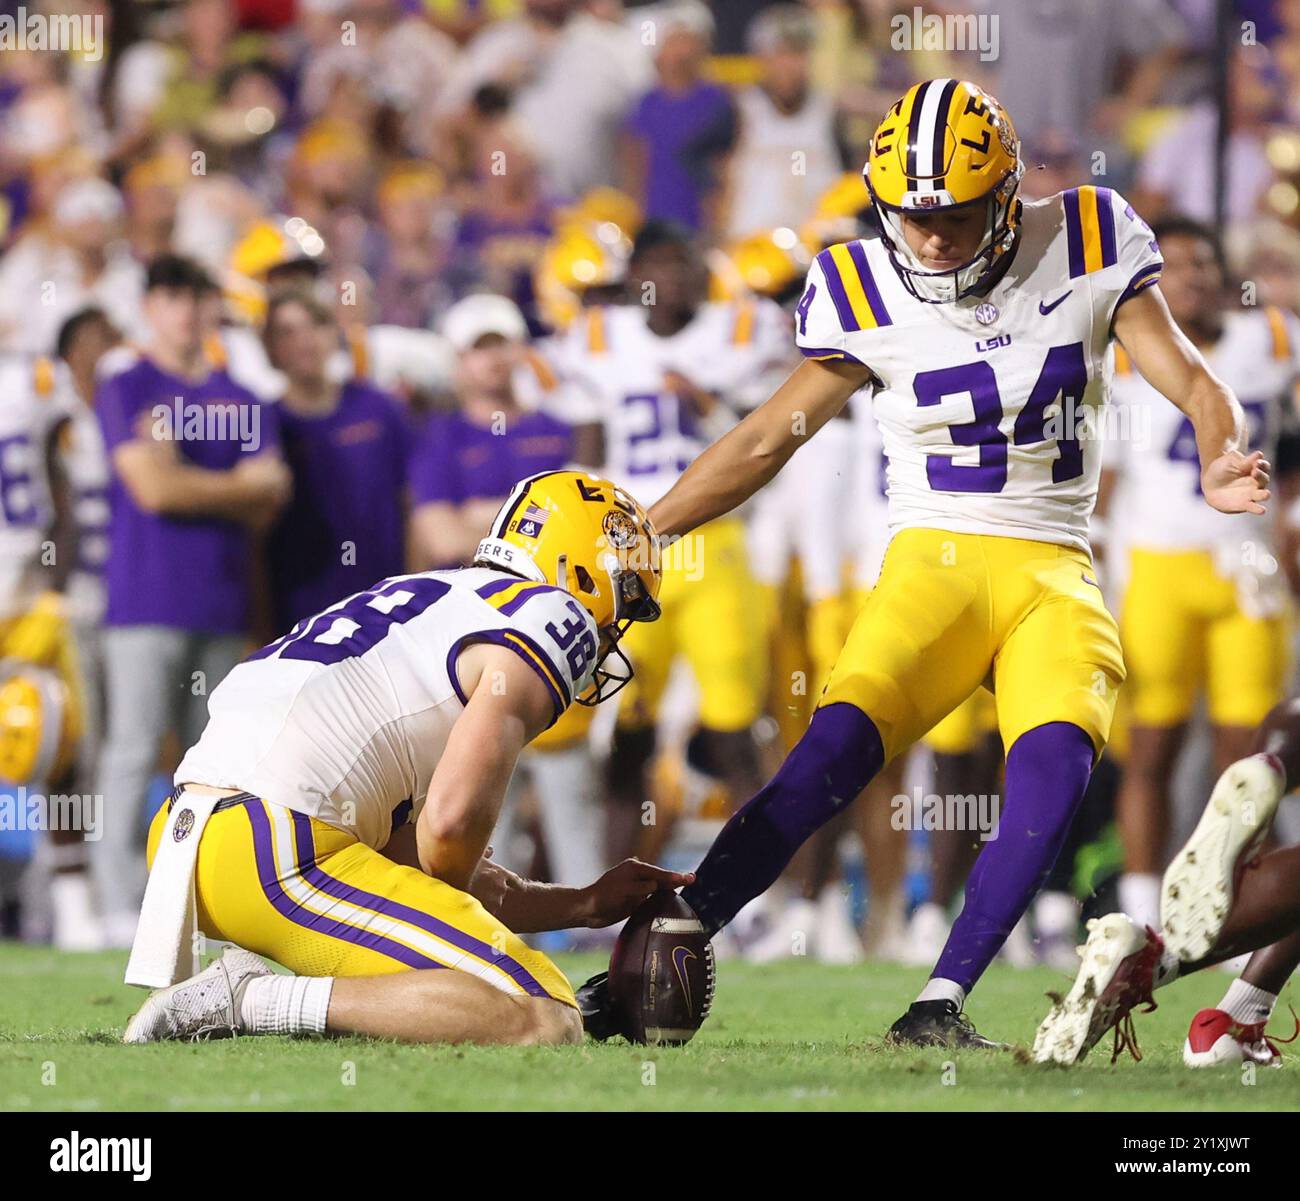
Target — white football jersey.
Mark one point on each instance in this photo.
(615, 367)
(86, 462)
(36, 397)
(800, 515)
(871, 494)
(986, 405)
(345, 717)
(1159, 504)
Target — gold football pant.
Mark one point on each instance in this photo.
(1184, 631)
(953, 611)
(313, 898)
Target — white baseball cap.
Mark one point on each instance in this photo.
(475, 317)
(88, 199)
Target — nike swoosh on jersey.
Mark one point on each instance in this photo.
(1044, 309)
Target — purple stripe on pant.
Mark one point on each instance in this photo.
(269, 877)
(319, 879)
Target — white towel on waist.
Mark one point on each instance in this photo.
(166, 943)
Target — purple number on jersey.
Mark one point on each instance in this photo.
(801, 309)
(990, 473)
(655, 428)
(357, 625)
(1064, 376)
(16, 499)
(579, 651)
(1183, 448)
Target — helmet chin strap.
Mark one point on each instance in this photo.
(943, 286)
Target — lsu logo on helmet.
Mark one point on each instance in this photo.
(946, 144)
(588, 536)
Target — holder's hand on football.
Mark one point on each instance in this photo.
(1237, 483)
(622, 889)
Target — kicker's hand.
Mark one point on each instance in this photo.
(1237, 483)
(622, 889)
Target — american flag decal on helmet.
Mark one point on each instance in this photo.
(531, 521)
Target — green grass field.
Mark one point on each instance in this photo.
(796, 1036)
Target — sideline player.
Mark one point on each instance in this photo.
(980, 323)
(651, 381)
(41, 696)
(336, 812)
(1218, 900)
(1206, 602)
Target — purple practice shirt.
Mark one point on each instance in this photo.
(349, 481)
(190, 573)
(458, 461)
(683, 133)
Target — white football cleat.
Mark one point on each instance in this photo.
(835, 937)
(1018, 950)
(1199, 886)
(204, 1006)
(1216, 1039)
(76, 925)
(1117, 973)
(793, 934)
(926, 934)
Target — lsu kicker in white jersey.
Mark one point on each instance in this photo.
(981, 402)
(616, 367)
(345, 717)
(1258, 357)
(36, 397)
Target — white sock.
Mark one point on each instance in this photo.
(285, 1004)
(1139, 897)
(940, 989)
(1056, 915)
(1247, 1004)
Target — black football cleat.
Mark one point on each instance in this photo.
(596, 1008)
(938, 1024)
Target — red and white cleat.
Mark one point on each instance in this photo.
(1202, 880)
(1216, 1039)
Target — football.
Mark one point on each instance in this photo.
(661, 974)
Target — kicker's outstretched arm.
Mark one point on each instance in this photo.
(1232, 479)
(746, 457)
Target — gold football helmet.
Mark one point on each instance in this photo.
(586, 535)
(946, 144)
(581, 256)
(772, 263)
(37, 727)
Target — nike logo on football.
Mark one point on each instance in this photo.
(1047, 308)
(680, 956)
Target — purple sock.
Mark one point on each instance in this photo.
(834, 761)
(1047, 774)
